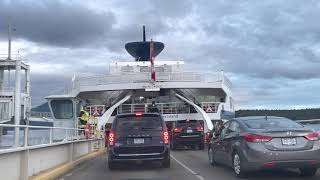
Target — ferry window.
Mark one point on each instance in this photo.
(4, 110)
(206, 98)
(62, 109)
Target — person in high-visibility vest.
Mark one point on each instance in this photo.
(83, 119)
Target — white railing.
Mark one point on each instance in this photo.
(145, 77)
(39, 135)
(40, 114)
(13, 57)
(168, 108)
(210, 107)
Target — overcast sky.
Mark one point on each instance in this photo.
(269, 49)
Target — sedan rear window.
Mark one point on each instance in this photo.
(271, 123)
(188, 123)
(138, 123)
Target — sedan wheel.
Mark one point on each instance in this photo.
(237, 167)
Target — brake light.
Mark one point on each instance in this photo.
(111, 138)
(178, 129)
(199, 128)
(312, 136)
(166, 137)
(139, 114)
(257, 138)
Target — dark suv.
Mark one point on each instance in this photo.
(187, 132)
(138, 137)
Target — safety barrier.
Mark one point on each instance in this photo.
(82, 81)
(33, 155)
(168, 108)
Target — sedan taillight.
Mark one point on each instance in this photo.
(166, 137)
(111, 138)
(199, 128)
(257, 138)
(312, 136)
(177, 129)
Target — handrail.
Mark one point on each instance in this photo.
(48, 138)
(37, 127)
(119, 78)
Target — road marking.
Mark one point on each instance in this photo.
(187, 168)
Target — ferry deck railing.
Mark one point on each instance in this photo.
(39, 135)
(30, 157)
(168, 108)
(40, 114)
(131, 77)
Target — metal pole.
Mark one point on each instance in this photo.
(17, 103)
(9, 38)
(51, 136)
(1, 78)
(26, 136)
(28, 80)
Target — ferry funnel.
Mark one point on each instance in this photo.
(140, 50)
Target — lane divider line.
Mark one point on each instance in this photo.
(187, 168)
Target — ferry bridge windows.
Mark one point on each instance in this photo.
(62, 109)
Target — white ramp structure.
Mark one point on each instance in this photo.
(205, 116)
(106, 116)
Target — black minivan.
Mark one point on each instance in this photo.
(138, 137)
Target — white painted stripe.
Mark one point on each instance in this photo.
(187, 168)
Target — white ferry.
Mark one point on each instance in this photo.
(129, 88)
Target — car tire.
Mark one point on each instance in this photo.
(111, 165)
(212, 162)
(308, 172)
(166, 163)
(237, 165)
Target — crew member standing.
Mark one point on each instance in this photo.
(84, 117)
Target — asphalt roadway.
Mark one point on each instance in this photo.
(185, 165)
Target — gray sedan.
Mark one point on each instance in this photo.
(256, 143)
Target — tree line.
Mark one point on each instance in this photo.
(295, 114)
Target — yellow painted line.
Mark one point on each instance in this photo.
(60, 170)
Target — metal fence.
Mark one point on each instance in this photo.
(39, 135)
(168, 108)
(82, 81)
(40, 114)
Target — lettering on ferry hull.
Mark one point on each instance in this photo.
(152, 87)
(170, 117)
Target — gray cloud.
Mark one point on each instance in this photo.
(55, 22)
(269, 39)
(270, 48)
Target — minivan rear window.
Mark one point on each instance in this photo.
(271, 123)
(141, 123)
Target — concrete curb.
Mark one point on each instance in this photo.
(64, 168)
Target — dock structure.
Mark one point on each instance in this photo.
(15, 100)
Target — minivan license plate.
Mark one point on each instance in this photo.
(289, 141)
(138, 141)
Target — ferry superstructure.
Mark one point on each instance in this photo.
(127, 88)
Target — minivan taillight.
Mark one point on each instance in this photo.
(257, 138)
(166, 137)
(177, 129)
(312, 136)
(111, 138)
(199, 128)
